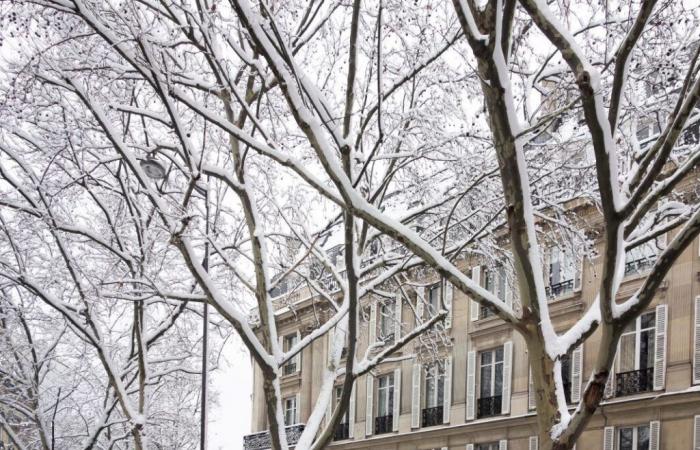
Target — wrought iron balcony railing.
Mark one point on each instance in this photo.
(488, 406)
(561, 288)
(431, 416)
(639, 265)
(342, 431)
(383, 424)
(634, 382)
(261, 441)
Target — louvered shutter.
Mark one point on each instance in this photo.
(660, 348)
(534, 443)
(696, 348)
(654, 435)
(351, 413)
(398, 310)
(696, 433)
(576, 371)
(502, 444)
(420, 303)
(415, 395)
(297, 415)
(447, 391)
(471, 384)
(609, 438)
(297, 357)
(474, 306)
(397, 400)
(448, 304)
(507, 376)
(579, 275)
(372, 322)
(470, 446)
(531, 401)
(369, 416)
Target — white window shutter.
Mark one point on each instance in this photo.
(576, 372)
(471, 385)
(696, 433)
(373, 322)
(579, 275)
(396, 413)
(503, 444)
(609, 438)
(415, 395)
(660, 348)
(331, 335)
(507, 376)
(297, 357)
(351, 414)
(398, 310)
(534, 443)
(531, 401)
(696, 349)
(474, 306)
(470, 446)
(369, 415)
(448, 304)
(420, 303)
(447, 391)
(654, 435)
(297, 416)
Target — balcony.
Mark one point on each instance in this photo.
(558, 289)
(634, 382)
(431, 416)
(342, 431)
(261, 441)
(488, 406)
(639, 265)
(383, 424)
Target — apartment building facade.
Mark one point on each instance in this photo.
(473, 390)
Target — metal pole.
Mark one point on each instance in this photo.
(205, 333)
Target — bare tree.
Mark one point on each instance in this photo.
(366, 120)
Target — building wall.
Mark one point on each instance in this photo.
(675, 407)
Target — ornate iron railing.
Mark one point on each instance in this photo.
(488, 406)
(639, 265)
(342, 431)
(431, 416)
(557, 289)
(383, 424)
(634, 381)
(261, 441)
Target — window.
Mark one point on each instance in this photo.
(646, 133)
(433, 299)
(489, 446)
(562, 272)
(641, 258)
(434, 395)
(386, 321)
(342, 430)
(495, 282)
(635, 361)
(633, 438)
(385, 404)
(290, 411)
(566, 376)
(292, 365)
(490, 382)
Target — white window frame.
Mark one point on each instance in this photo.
(436, 373)
(387, 315)
(294, 410)
(289, 341)
(638, 330)
(388, 392)
(635, 435)
(493, 363)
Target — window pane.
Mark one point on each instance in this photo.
(627, 353)
(485, 381)
(625, 442)
(648, 320)
(498, 384)
(499, 354)
(646, 349)
(486, 358)
(643, 438)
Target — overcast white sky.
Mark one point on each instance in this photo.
(229, 420)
